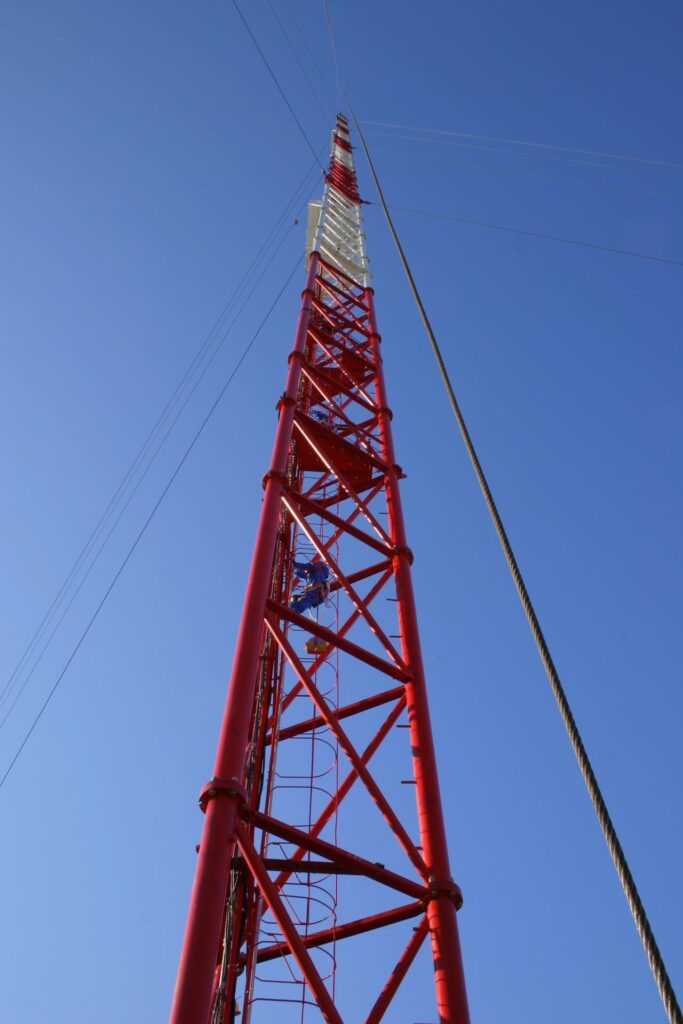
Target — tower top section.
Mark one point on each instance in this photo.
(335, 229)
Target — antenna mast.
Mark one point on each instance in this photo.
(310, 843)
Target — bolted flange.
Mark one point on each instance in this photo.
(445, 887)
(221, 787)
(271, 475)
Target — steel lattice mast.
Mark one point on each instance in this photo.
(324, 709)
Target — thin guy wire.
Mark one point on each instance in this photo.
(477, 147)
(531, 145)
(289, 106)
(302, 68)
(37, 637)
(314, 62)
(654, 957)
(333, 44)
(140, 456)
(607, 186)
(538, 234)
(141, 479)
(147, 522)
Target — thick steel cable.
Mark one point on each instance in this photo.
(666, 992)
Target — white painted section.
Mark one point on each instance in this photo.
(335, 228)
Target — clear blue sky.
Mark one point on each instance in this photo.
(145, 156)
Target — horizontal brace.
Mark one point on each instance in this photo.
(339, 238)
(362, 431)
(353, 266)
(333, 293)
(339, 274)
(308, 507)
(345, 341)
(309, 867)
(294, 941)
(345, 329)
(281, 611)
(335, 854)
(383, 571)
(346, 299)
(344, 280)
(347, 784)
(344, 931)
(321, 438)
(337, 385)
(351, 489)
(347, 746)
(347, 711)
(342, 495)
(364, 574)
(334, 349)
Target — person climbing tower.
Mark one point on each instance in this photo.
(322, 416)
(315, 589)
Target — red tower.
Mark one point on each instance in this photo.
(326, 734)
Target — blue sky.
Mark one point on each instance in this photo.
(145, 156)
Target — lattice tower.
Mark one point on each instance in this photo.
(322, 869)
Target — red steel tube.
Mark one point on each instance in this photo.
(398, 974)
(449, 978)
(347, 930)
(343, 788)
(294, 942)
(344, 711)
(355, 760)
(192, 996)
(336, 855)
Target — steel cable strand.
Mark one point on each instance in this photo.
(137, 486)
(311, 57)
(538, 234)
(333, 44)
(654, 957)
(302, 68)
(528, 144)
(277, 84)
(637, 909)
(147, 523)
(135, 466)
(142, 462)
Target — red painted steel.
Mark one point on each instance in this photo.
(443, 929)
(270, 889)
(207, 903)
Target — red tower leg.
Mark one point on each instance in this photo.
(268, 922)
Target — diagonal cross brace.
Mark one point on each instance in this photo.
(355, 760)
(345, 786)
(286, 926)
(355, 599)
